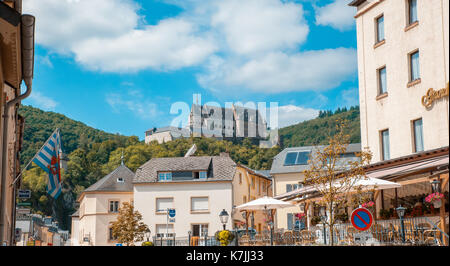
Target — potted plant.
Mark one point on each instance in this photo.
(224, 237)
(435, 199)
(147, 243)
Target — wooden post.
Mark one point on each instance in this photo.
(444, 182)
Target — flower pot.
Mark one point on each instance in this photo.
(437, 204)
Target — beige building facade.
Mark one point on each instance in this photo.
(16, 65)
(99, 206)
(249, 185)
(403, 67)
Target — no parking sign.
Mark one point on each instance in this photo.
(362, 219)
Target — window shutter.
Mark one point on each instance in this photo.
(200, 204)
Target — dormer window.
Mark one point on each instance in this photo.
(120, 180)
(165, 176)
(200, 175)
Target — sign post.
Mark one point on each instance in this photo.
(362, 219)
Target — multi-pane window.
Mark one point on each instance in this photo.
(380, 28)
(164, 230)
(418, 135)
(111, 235)
(382, 81)
(412, 11)
(165, 176)
(292, 187)
(385, 145)
(414, 66)
(203, 175)
(199, 230)
(113, 206)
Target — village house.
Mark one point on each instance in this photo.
(287, 175)
(99, 206)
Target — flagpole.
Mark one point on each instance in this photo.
(28, 164)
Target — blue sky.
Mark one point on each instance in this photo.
(119, 65)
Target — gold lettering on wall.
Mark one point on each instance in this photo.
(433, 96)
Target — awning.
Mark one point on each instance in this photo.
(409, 168)
(365, 184)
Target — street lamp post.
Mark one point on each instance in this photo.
(323, 218)
(205, 234)
(224, 218)
(401, 213)
(148, 234)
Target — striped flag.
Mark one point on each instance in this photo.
(48, 158)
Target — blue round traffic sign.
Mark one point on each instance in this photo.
(361, 219)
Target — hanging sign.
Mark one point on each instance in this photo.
(361, 219)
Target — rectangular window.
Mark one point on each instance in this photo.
(199, 230)
(412, 6)
(297, 158)
(113, 206)
(414, 65)
(162, 204)
(385, 144)
(111, 236)
(291, 187)
(382, 81)
(165, 176)
(290, 221)
(380, 29)
(203, 175)
(200, 204)
(418, 135)
(163, 230)
(240, 178)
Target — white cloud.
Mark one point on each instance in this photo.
(337, 15)
(133, 102)
(255, 26)
(170, 45)
(109, 35)
(350, 97)
(62, 25)
(252, 44)
(281, 72)
(292, 114)
(39, 100)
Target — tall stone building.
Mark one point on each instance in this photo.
(16, 65)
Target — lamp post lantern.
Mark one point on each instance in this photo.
(436, 185)
(148, 234)
(401, 213)
(224, 218)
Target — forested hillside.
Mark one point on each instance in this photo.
(317, 131)
(93, 153)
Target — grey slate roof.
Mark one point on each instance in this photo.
(221, 168)
(278, 166)
(109, 182)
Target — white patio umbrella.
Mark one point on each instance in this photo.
(370, 183)
(264, 203)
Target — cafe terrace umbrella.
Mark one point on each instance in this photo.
(371, 183)
(264, 203)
